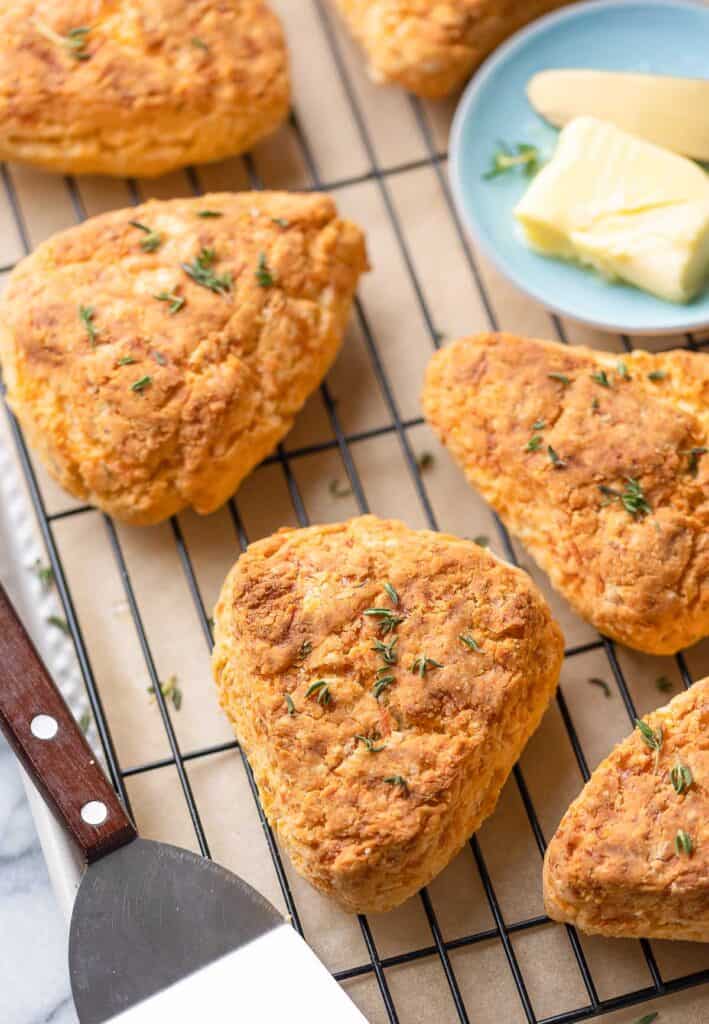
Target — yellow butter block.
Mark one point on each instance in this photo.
(632, 210)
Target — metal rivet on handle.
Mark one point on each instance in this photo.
(94, 812)
(44, 727)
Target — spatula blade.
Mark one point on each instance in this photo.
(157, 930)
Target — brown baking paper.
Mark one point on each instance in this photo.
(384, 157)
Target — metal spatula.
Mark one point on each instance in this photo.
(157, 933)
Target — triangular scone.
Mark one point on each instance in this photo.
(431, 47)
(599, 463)
(631, 855)
(383, 682)
(155, 355)
(137, 89)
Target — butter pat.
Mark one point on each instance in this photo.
(630, 209)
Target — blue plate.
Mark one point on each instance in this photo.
(657, 36)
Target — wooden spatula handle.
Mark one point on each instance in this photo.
(52, 748)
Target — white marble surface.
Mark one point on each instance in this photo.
(33, 938)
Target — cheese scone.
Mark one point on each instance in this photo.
(127, 88)
(631, 856)
(383, 681)
(431, 46)
(155, 355)
(598, 462)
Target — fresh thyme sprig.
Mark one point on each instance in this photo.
(387, 651)
(369, 742)
(381, 684)
(170, 691)
(176, 301)
(681, 778)
(508, 158)
(422, 665)
(74, 42)
(320, 689)
(684, 843)
(201, 272)
(86, 315)
(263, 274)
(652, 738)
(152, 240)
(632, 497)
(388, 620)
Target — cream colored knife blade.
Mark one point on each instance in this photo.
(671, 112)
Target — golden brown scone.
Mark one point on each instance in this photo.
(128, 88)
(598, 463)
(430, 46)
(146, 390)
(372, 796)
(631, 856)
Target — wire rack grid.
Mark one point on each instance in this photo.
(399, 426)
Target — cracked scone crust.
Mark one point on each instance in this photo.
(612, 867)
(429, 46)
(163, 84)
(292, 613)
(226, 371)
(641, 579)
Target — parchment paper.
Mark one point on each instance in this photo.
(422, 269)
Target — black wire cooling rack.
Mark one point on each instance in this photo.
(399, 426)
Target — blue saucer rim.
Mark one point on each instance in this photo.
(462, 112)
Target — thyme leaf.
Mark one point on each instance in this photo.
(199, 43)
(141, 383)
(126, 361)
(388, 621)
(209, 213)
(683, 843)
(152, 240)
(74, 42)
(264, 276)
(561, 377)
(170, 691)
(534, 443)
(657, 375)
(601, 377)
(556, 460)
(281, 222)
(422, 664)
(86, 315)
(289, 704)
(681, 778)
(387, 651)
(482, 541)
(369, 742)
(469, 641)
(507, 158)
(693, 457)
(320, 689)
(305, 649)
(44, 573)
(397, 780)
(539, 425)
(58, 623)
(622, 371)
(176, 301)
(381, 684)
(391, 593)
(652, 738)
(201, 272)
